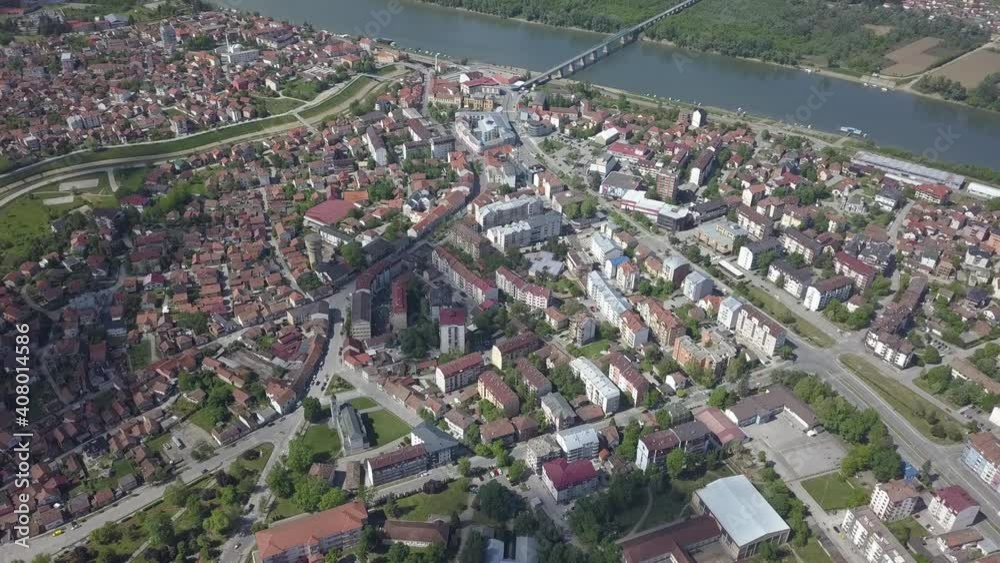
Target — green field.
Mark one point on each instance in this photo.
(362, 403)
(812, 552)
(301, 88)
(785, 315)
(906, 528)
(359, 85)
(130, 180)
(914, 408)
(595, 349)
(276, 106)
(202, 418)
(323, 441)
(834, 492)
(420, 507)
(386, 427)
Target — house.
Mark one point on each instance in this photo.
(558, 411)
(937, 194)
(417, 534)
(493, 390)
(398, 464)
(459, 372)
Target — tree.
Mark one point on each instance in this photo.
(464, 467)
(309, 491)
(279, 480)
(676, 461)
(719, 398)
(300, 456)
(931, 356)
(474, 549)
(159, 528)
(516, 471)
(353, 254)
(313, 410)
(221, 520)
(398, 553)
(332, 499)
(106, 534)
(369, 541)
(497, 502)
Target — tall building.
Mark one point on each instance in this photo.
(667, 182)
(168, 37)
(600, 390)
(893, 500)
(952, 508)
(871, 539)
(451, 321)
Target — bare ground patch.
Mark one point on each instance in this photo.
(878, 30)
(971, 69)
(913, 58)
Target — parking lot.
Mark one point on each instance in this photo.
(796, 455)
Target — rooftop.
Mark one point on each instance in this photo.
(740, 509)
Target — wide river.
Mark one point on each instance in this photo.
(937, 129)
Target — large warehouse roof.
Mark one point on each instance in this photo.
(740, 510)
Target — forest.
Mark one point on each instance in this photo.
(986, 95)
(831, 34)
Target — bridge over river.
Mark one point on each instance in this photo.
(604, 48)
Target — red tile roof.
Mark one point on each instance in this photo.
(309, 530)
(564, 474)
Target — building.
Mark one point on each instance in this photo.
(750, 254)
(459, 372)
(582, 328)
(507, 211)
(932, 193)
(398, 464)
(653, 448)
(462, 278)
(673, 543)
(481, 131)
(600, 390)
(532, 230)
(580, 442)
(361, 314)
(712, 354)
(451, 323)
(759, 332)
(725, 433)
(440, 447)
(908, 172)
(627, 377)
(417, 534)
(797, 242)
(745, 518)
(765, 407)
(534, 296)
(398, 317)
(353, 432)
(667, 181)
(567, 481)
(532, 378)
(697, 285)
(303, 537)
(510, 349)
(541, 450)
(871, 539)
(893, 500)
(952, 508)
(665, 325)
(729, 309)
(860, 273)
(558, 411)
(610, 302)
(634, 333)
(493, 390)
(675, 269)
(821, 293)
(982, 456)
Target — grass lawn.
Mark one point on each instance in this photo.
(833, 491)
(130, 179)
(420, 507)
(202, 418)
(388, 69)
(156, 444)
(323, 440)
(386, 427)
(595, 349)
(140, 355)
(284, 508)
(812, 552)
(362, 403)
(783, 314)
(358, 87)
(906, 528)
(22, 222)
(280, 105)
(301, 88)
(337, 385)
(914, 408)
(669, 506)
(257, 465)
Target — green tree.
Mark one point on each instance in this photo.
(931, 356)
(676, 461)
(353, 254)
(516, 471)
(332, 499)
(497, 502)
(300, 456)
(464, 467)
(279, 480)
(474, 549)
(313, 410)
(309, 492)
(159, 529)
(719, 398)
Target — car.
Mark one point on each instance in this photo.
(237, 546)
(58, 532)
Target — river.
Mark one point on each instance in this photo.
(936, 129)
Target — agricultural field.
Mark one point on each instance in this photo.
(916, 57)
(971, 69)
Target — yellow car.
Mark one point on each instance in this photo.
(57, 532)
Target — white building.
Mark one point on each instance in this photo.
(893, 500)
(600, 390)
(952, 508)
(820, 294)
(536, 228)
(580, 442)
(758, 331)
(696, 285)
(603, 248)
(729, 308)
(871, 539)
(610, 301)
